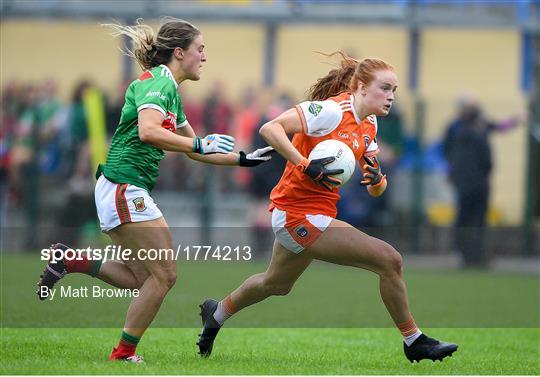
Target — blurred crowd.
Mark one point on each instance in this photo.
(46, 157)
(47, 173)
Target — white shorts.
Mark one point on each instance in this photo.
(123, 203)
(296, 231)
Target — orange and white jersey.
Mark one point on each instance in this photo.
(333, 118)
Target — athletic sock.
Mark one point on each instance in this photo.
(224, 310)
(83, 265)
(126, 347)
(409, 331)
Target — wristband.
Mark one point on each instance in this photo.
(379, 188)
(303, 165)
(197, 145)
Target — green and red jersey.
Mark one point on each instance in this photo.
(129, 159)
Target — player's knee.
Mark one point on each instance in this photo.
(170, 279)
(140, 278)
(166, 278)
(138, 283)
(392, 260)
(395, 263)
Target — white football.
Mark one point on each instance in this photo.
(344, 157)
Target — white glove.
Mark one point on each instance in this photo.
(215, 143)
(256, 157)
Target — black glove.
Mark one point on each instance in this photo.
(256, 157)
(371, 172)
(317, 171)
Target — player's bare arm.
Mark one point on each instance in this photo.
(151, 132)
(275, 134)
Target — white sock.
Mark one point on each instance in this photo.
(411, 338)
(220, 315)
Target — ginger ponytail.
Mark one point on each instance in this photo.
(336, 81)
(347, 77)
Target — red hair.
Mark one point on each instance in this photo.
(347, 77)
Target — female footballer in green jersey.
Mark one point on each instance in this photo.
(152, 121)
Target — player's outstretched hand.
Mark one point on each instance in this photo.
(317, 171)
(371, 172)
(256, 157)
(215, 143)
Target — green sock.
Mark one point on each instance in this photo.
(129, 339)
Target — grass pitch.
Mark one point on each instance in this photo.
(332, 323)
(268, 351)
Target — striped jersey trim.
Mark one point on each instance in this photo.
(182, 124)
(152, 106)
(302, 118)
(166, 72)
(356, 117)
(345, 106)
(122, 208)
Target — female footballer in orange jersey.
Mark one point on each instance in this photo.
(342, 105)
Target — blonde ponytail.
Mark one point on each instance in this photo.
(150, 50)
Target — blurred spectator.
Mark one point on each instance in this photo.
(468, 108)
(218, 113)
(390, 135)
(114, 108)
(78, 209)
(29, 140)
(263, 180)
(51, 114)
(267, 175)
(467, 150)
(247, 117)
(193, 110)
(25, 164)
(24, 147)
(10, 109)
(76, 123)
(217, 118)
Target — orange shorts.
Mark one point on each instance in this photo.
(296, 231)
